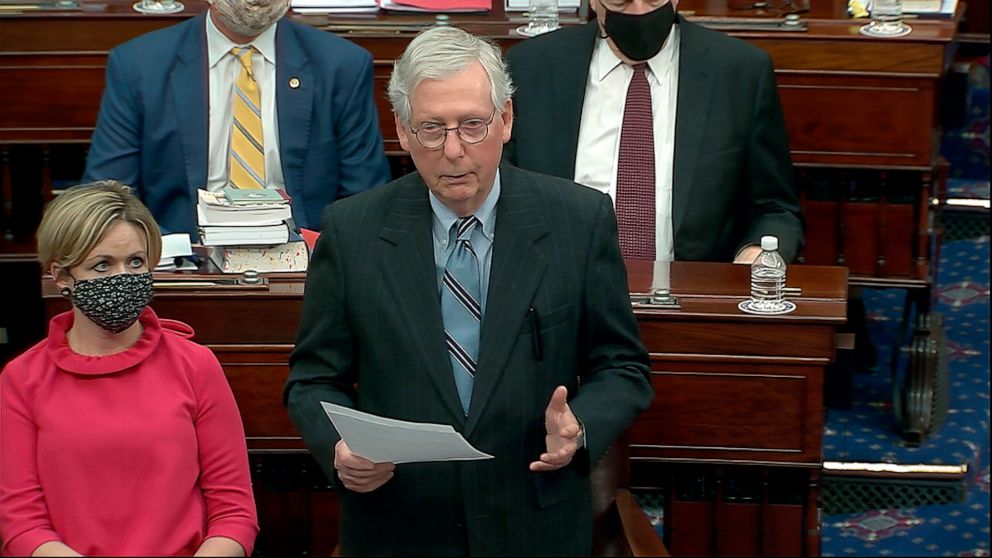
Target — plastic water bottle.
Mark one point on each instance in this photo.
(768, 278)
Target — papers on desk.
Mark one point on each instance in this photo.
(176, 248)
(334, 6)
(925, 8)
(233, 217)
(939, 8)
(353, 6)
(335, 10)
(385, 440)
(524, 5)
(453, 6)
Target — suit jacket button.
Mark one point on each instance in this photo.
(294, 83)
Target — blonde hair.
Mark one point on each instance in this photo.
(80, 217)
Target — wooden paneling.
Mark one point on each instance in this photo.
(845, 51)
(698, 400)
(849, 100)
(699, 413)
(684, 338)
(256, 379)
(860, 121)
(63, 102)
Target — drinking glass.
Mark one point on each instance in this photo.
(158, 6)
(886, 20)
(542, 16)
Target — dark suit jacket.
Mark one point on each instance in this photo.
(152, 132)
(371, 317)
(732, 180)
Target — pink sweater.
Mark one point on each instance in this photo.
(137, 453)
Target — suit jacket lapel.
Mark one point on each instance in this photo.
(694, 90)
(189, 83)
(293, 108)
(407, 262)
(570, 87)
(517, 267)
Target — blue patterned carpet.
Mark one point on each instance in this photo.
(864, 433)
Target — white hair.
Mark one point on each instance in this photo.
(439, 53)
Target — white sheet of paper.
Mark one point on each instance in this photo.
(175, 245)
(524, 5)
(385, 440)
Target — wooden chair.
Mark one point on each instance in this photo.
(620, 526)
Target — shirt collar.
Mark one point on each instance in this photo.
(218, 45)
(444, 217)
(605, 61)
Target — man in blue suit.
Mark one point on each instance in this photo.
(165, 123)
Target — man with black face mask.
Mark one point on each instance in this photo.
(238, 95)
(682, 126)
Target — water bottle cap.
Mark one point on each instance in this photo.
(769, 243)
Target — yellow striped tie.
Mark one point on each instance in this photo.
(247, 154)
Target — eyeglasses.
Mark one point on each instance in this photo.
(433, 135)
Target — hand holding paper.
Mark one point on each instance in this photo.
(384, 440)
(357, 473)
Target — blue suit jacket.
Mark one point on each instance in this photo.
(152, 132)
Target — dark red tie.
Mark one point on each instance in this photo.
(635, 172)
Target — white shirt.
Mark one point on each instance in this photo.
(224, 69)
(602, 118)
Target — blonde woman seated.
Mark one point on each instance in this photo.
(118, 435)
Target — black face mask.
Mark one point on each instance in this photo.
(639, 37)
(115, 302)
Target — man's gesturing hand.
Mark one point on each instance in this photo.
(562, 433)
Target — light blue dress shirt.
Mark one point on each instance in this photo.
(444, 218)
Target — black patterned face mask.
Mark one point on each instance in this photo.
(115, 302)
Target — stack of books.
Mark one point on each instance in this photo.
(250, 230)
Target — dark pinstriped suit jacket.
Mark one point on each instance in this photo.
(371, 317)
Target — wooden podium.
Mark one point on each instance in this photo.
(733, 439)
(731, 390)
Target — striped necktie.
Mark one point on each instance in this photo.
(461, 308)
(247, 154)
(635, 172)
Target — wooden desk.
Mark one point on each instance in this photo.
(860, 114)
(731, 390)
(733, 440)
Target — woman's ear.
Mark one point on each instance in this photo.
(60, 275)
